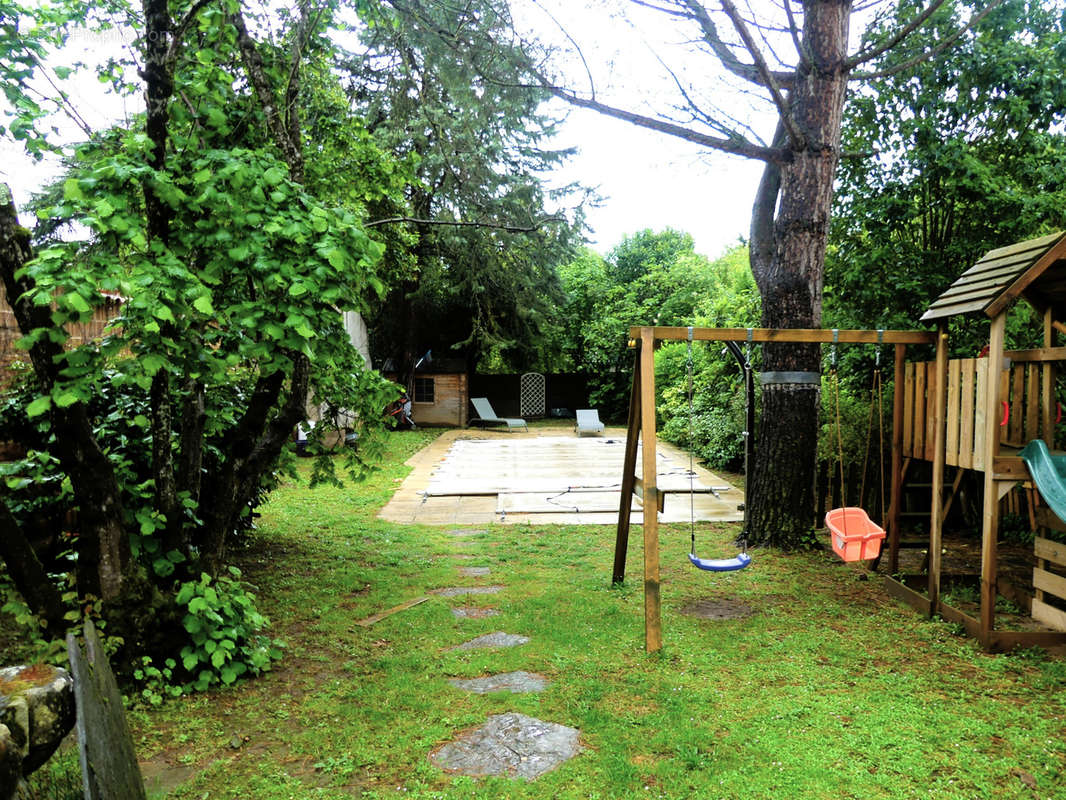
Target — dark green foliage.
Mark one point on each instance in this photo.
(484, 232)
(970, 156)
(232, 273)
(658, 279)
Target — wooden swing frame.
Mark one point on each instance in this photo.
(641, 428)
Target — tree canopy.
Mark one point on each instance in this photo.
(969, 155)
(232, 274)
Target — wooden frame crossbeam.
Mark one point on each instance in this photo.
(799, 335)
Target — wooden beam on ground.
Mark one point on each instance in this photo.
(366, 623)
(808, 335)
(653, 631)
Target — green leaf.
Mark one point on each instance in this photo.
(335, 257)
(203, 304)
(72, 190)
(164, 313)
(274, 176)
(66, 399)
(38, 406)
(77, 302)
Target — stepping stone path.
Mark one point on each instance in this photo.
(474, 612)
(458, 591)
(509, 744)
(513, 682)
(497, 639)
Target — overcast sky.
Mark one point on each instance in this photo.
(650, 180)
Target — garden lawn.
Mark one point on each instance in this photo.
(829, 689)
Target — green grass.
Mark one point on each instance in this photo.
(828, 690)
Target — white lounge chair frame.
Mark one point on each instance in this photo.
(486, 416)
(588, 421)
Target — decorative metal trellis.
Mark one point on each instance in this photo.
(532, 397)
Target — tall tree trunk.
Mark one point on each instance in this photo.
(29, 575)
(104, 562)
(789, 231)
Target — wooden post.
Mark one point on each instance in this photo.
(653, 632)
(897, 459)
(990, 511)
(1047, 389)
(935, 516)
(629, 473)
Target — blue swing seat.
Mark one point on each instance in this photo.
(720, 564)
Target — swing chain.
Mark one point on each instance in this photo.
(691, 447)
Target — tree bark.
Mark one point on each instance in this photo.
(29, 575)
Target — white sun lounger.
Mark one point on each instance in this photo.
(588, 421)
(486, 416)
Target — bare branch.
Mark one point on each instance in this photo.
(498, 226)
(64, 98)
(794, 32)
(932, 52)
(737, 145)
(748, 72)
(577, 49)
(783, 109)
(870, 53)
(673, 12)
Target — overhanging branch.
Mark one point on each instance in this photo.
(776, 94)
(499, 226)
(737, 145)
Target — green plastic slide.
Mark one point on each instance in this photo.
(1049, 474)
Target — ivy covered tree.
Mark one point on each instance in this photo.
(232, 275)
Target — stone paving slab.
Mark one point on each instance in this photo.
(473, 612)
(510, 744)
(497, 639)
(474, 572)
(513, 682)
(458, 591)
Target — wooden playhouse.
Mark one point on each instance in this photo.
(977, 414)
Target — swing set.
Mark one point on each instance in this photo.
(848, 525)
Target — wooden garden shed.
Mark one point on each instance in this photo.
(440, 392)
(978, 414)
